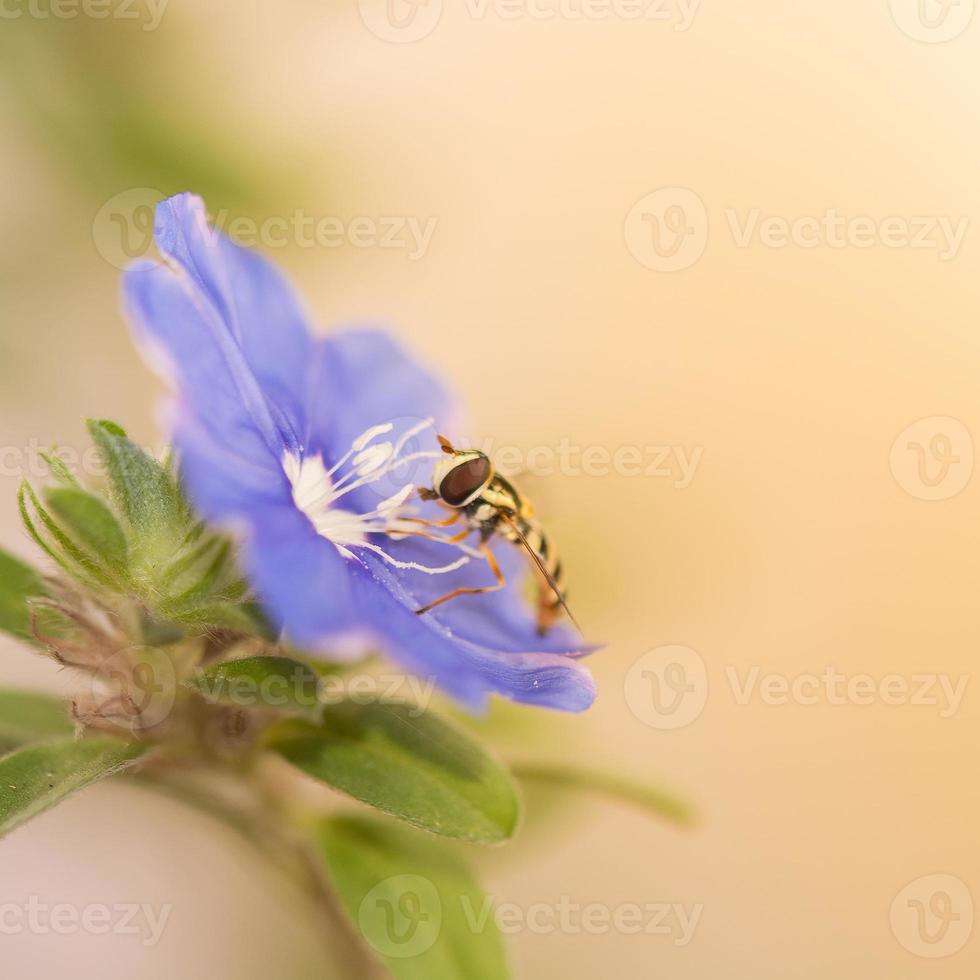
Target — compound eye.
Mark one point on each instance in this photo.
(462, 481)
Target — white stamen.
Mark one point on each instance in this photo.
(413, 431)
(359, 443)
(414, 456)
(414, 565)
(396, 499)
(365, 437)
(370, 459)
(369, 478)
(317, 493)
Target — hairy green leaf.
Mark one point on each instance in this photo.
(261, 682)
(36, 777)
(26, 716)
(241, 617)
(51, 538)
(91, 522)
(59, 469)
(142, 489)
(197, 573)
(406, 763)
(413, 901)
(18, 583)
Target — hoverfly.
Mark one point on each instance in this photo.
(467, 482)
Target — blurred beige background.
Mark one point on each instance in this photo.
(803, 540)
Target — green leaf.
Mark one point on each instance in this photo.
(54, 542)
(414, 902)
(18, 583)
(411, 765)
(35, 778)
(649, 798)
(141, 487)
(59, 469)
(29, 717)
(198, 572)
(90, 520)
(241, 617)
(261, 682)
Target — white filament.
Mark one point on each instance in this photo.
(317, 490)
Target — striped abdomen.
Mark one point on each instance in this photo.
(501, 509)
(550, 593)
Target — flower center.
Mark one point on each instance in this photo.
(318, 492)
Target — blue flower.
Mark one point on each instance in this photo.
(309, 450)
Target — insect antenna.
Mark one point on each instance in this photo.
(549, 578)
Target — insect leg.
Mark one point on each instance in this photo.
(455, 539)
(498, 575)
(448, 522)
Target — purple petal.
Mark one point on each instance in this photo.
(227, 487)
(184, 338)
(302, 580)
(507, 615)
(366, 378)
(257, 307)
(468, 670)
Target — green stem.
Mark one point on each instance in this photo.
(648, 797)
(252, 808)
